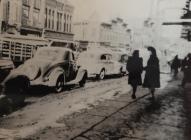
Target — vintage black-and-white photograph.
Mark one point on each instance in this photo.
(95, 69)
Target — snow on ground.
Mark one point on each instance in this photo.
(45, 111)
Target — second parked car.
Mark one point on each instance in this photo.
(99, 63)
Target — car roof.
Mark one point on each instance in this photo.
(55, 48)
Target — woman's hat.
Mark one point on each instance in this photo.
(152, 49)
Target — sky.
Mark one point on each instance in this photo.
(109, 9)
(132, 11)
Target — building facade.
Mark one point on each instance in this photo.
(51, 19)
(115, 34)
(10, 16)
(32, 13)
(24, 17)
(58, 20)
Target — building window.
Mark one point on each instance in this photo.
(52, 19)
(58, 21)
(60, 24)
(64, 22)
(26, 2)
(49, 18)
(37, 4)
(36, 15)
(26, 12)
(70, 28)
(7, 14)
(66, 27)
(46, 20)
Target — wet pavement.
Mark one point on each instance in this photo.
(124, 119)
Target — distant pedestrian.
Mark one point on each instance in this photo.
(135, 69)
(186, 68)
(175, 66)
(152, 75)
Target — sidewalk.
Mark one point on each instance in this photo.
(124, 118)
(187, 107)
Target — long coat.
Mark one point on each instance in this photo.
(187, 69)
(135, 68)
(152, 75)
(175, 63)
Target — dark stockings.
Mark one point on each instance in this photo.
(152, 91)
(134, 91)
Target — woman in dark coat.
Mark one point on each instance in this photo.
(135, 68)
(152, 75)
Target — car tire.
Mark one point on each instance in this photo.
(101, 76)
(59, 87)
(121, 73)
(83, 81)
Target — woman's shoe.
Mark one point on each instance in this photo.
(133, 96)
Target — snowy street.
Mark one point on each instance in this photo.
(75, 111)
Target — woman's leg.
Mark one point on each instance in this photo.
(152, 91)
(134, 91)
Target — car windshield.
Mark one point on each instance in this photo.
(49, 54)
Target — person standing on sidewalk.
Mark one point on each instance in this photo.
(175, 66)
(186, 68)
(152, 75)
(135, 69)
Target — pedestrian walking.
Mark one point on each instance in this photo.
(186, 68)
(152, 75)
(175, 66)
(135, 69)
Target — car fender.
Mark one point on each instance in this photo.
(54, 76)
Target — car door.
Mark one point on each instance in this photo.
(66, 65)
(110, 64)
(103, 63)
(72, 67)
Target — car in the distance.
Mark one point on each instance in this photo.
(99, 63)
(51, 66)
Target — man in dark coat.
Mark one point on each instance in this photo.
(175, 65)
(135, 68)
(186, 68)
(152, 75)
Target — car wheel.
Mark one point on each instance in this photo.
(121, 73)
(101, 75)
(83, 81)
(59, 87)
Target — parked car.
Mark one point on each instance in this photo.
(51, 66)
(5, 68)
(99, 64)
